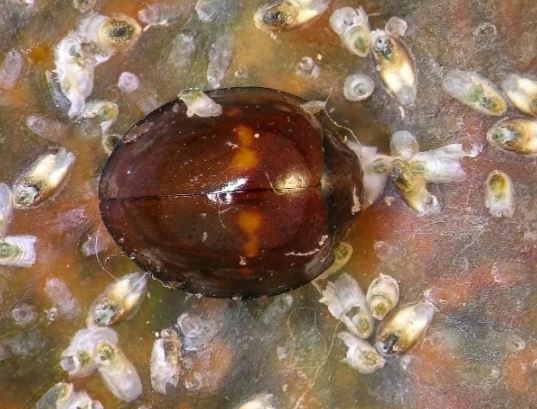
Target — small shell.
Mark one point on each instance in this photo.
(165, 363)
(308, 68)
(111, 33)
(199, 104)
(313, 107)
(197, 332)
(382, 296)
(395, 65)
(78, 359)
(352, 26)
(360, 354)
(403, 328)
(138, 93)
(119, 300)
(117, 372)
(522, 92)
(206, 10)
(376, 168)
(404, 144)
(160, 14)
(42, 178)
(413, 189)
(287, 14)
(17, 251)
(358, 87)
(10, 69)
(443, 164)
(396, 26)
(98, 117)
(47, 128)
(475, 91)
(517, 135)
(56, 397)
(220, 57)
(128, 82)
(259, 402)
(109, 142)
(342, 255)
(6, 208)
(24, 314)
(81, 400)
(346, 302)
(61, 297)
(98, 241)
(500, 194)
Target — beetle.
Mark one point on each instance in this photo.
(248, 203)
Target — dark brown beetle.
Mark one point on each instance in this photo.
(248, 203)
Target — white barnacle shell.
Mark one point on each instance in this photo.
(118, 300)
(358, 87)
(117, 372)
(403, 328)
(522, 92)
(199, 104)
(500, 194)
(352, 26)
(78, 359)
(97, 117)
(128, 82)
(17, 251)
(475, 91)
(442, 164)
(287, 14)
(42, 178)
(61, 297)
(346, 302)
(360, 354)
(165, 366)
(376, 168)
(413, 188)
(58, 396)
(6, 208)
(382, 295)
(518, 135)
(262, 401)
(395, 66)
(94, 41)
(75, 64)
(109, 33)
(396, 26)
(404, 145)
(11, 68)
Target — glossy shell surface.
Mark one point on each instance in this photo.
(248, 203)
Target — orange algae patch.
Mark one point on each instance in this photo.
(519, 371)
(41, 54)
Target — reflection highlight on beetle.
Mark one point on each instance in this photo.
(246, 203)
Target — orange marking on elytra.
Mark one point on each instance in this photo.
(249, 222)
(246, 158)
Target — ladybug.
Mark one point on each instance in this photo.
(248, 203)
